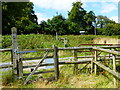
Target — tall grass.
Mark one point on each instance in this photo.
(7, 77)
(32, 41)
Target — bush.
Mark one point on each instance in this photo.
(111, 29)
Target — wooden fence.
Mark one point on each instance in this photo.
(17, 59)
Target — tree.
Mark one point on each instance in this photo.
(101, 21)
(76, 18)
(111, 29)
(20, 15)
(56, 24)
(90, 19)
(80, 20)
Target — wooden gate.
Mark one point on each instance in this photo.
(18, 60)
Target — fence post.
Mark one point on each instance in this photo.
(75, 59)
(114, 69)
(20, 64)
(95, 59)
(14, 49)
(56, 62)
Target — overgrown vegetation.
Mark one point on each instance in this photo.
(67, 80)
(36, 41)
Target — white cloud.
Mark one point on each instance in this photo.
(100, 0)
(41, 17)
(65, 4)
(107, 8)
(114, 18)
(54, 4)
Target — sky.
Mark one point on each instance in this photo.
(47, 9)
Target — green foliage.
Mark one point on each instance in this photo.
(7, 77)
(101, 21)
(33, 41)
(89, 19)
(78, 20)
(24, 18)
(56, 24)
(111, 29)
(20, 15)
(100, 31)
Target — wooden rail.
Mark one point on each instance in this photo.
(33, 58)
(108, 69)
(5, 50)
(30, 75)
(41, 72)
(51, 49)
(107, 50)
(97, 44)
(6, 66)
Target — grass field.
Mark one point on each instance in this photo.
(35, 41)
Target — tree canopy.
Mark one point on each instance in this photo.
(22, 16)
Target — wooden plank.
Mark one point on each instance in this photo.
(33, 58)
(107, 50)
(6, 66)
(56, 62)
(95, 59)
(114, 62)
(75, 62)
(99, 44)
(37, 50)
(75, 59)
(114, 69)
(115, 46)
(74, 48)
(49, 64)
(12, 56)
(92, 56)
(84, 66)
(35, 68)
(6, 49)
(116, 74)
(41, 72)
(14, 48)
(20, 64)
(71, 48)
(88, 47)
(60, 63)
(91, 66)
(29, 66)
